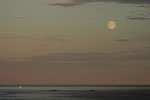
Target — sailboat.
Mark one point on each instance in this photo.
(20, 86)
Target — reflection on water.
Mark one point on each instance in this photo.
(51, 92)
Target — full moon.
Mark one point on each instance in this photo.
(111, 25)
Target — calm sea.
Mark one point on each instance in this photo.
(74, 92)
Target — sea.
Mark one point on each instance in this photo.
(75, 92)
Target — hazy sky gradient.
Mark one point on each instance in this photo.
(68, 42)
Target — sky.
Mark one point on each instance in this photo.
(69, 42)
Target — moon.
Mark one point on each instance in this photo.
(111, 25)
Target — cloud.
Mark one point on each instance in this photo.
(132, 1)
(138, 18)
(65, 4)
(122, 40)
(38, 38)
(21, 17)
(144, 6)
(57, 39)
(144, 38)
(65, 58)
(147, 47)
(139, 15)
(14, 37)
(71, 3)
(87, 58)
(5, 63)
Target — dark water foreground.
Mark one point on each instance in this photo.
(75, 93)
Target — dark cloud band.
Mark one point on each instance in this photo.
(138, 18)
(71, 3)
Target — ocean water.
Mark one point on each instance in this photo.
(74, 92)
